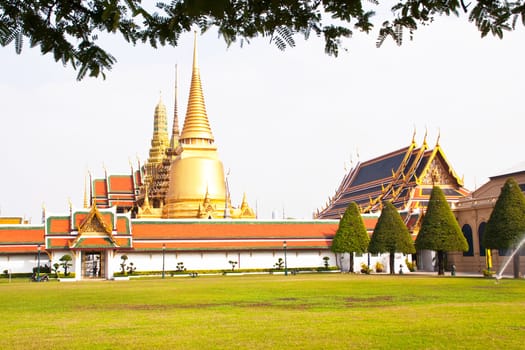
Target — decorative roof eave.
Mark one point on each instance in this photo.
(94, 243)
(398, 174)
(415, 164)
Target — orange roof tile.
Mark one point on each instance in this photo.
(100, 188)
(57, 225)
(20, 234)
(59, 243)
(229, 229)
(121, 183)
(123, 225)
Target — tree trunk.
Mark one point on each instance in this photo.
(391, 258)
(351, 268)
(516, 264)
(441, 262)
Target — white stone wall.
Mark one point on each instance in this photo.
(152, 261)
(220, 260)
(22, 263)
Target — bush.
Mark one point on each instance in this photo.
(411, 266)
(365, 268)
(379, 267)
(69, 275)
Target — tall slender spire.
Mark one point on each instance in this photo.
(175, 132)
(160, 140)
(196, 125)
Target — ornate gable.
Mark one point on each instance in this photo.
(94, 232)
(438, 171)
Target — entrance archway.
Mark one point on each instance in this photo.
(93, 264)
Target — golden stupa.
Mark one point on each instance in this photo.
(197, 185)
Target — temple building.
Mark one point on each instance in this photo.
(404, 177)
(175, 210)
(183, 177)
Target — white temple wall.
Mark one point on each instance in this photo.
(152, 261)
(21, 263)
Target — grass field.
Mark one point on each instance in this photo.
(309, 311)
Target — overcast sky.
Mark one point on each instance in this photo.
(285, 123)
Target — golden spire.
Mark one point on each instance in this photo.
(86, 205)
(175, 132)
(160, 140)
(196, 125)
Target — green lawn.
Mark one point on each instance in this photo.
(306, 311)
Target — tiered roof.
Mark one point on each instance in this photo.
(115, 190)
(88, 229)
(404, 177)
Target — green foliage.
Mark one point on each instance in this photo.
(56, 266)
(351, 235)
(233, 263)
(326, 262)
(365, 269)
(65, 262)
(131, 268)
(279, 264)
(440, 230)
(390, 233)
(69, 30)
(180, 267)
(63, 275)
(411, 265)
(506, 224)
(123, 264)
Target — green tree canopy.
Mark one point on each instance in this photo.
(391, 235)
(70, 29)
(351, 236)
(440, 230)
(506, 225)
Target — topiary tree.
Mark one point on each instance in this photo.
(123, 264)
(391, 235)
(351, 236)
(65, 262)
(440, 230)
(506, 224)
(56, 266)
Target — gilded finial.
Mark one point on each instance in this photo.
(86, 204)
(425, 137)
(175, 132)
(439, 135)
(414, 135)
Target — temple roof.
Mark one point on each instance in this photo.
(399, 177)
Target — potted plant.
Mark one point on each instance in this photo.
(379, 267)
